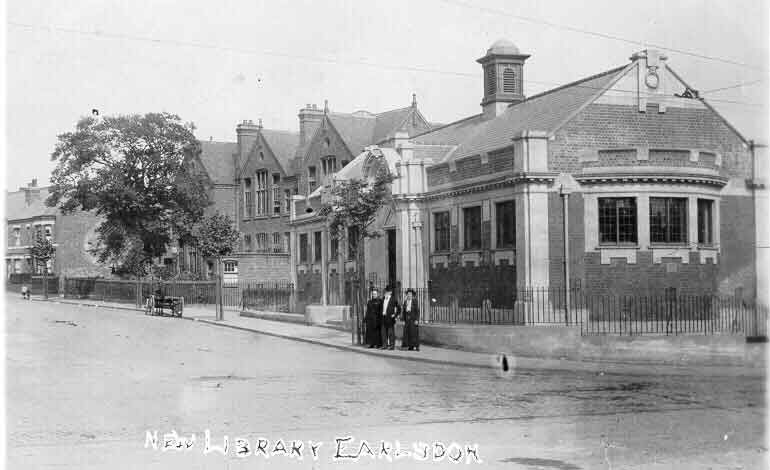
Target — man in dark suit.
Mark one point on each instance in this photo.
(390, 312)
(373, 321)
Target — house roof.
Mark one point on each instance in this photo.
(284, 145)
(217, 159)
(355, 130)
(16, 207)
(545, 112)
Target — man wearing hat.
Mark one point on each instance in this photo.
(390, 312)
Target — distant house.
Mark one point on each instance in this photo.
(73, 235)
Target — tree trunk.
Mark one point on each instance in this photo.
(218, 290)
(45, 280)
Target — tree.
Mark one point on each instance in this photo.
(215, 236)
(132, 171)
(42, 252)
(351, 209)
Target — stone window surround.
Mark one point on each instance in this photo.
(659, 251)
(432, 226)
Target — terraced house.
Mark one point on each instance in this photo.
(628, 175)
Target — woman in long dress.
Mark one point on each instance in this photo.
(411, 310)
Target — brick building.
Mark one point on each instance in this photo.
(27, 216)
(653, 186)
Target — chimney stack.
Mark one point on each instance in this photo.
(247, 134)
(309, 119)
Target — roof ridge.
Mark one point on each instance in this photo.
(392, 111)
(447, 125)
(571, 84)
(284, 131)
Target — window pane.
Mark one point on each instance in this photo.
(303, 248)
(626, 220)
(472, 227)
(441, 228)
(506, 224)
(678, 222)
(705, 221)
(317, 245)
(668, 220)
(658, 220)
(617, 220)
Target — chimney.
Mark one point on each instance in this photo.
(309, 119)
(247, 134)
(503, 77)
(31, 192)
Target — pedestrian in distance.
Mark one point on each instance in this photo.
(373, 321)
(411, 314)
(390, 312)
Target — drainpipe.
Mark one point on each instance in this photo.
(565, 217)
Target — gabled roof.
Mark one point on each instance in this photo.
(355, 130)
(284, 145)
(16, 206)
(545, 112)
(217, 159)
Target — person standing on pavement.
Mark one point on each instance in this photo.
(390, 312)
(411, 314)
(373, 321)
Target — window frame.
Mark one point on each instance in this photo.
(498, 232)
(438, 235)
(261, 191)
(466, 230)
(710, 227)
(617, 221)
(667, 223)
(303, 248)
(317, 246)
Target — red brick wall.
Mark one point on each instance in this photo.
(736, 262)
(471, 167)
(618, 127)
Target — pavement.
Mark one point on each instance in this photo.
(277, 325)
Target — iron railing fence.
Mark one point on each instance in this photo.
(193, 292)
(34, 283)
(276, 296)
(593, 313)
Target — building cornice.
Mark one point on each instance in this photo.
(651, 177)
(500, 182)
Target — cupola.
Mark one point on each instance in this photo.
(503, 77)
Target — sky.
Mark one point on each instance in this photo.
(218, 63)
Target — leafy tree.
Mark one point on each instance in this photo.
(215, 236)
(43, 251)
(354, 204)
(131, 170)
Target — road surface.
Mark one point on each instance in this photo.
(88, 388)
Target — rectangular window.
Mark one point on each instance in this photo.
(261, 239)
(276, 194)
(617, 220)
(248, 198)
(441, 230)
(286, 201)
(231, 267)
(329, 165)
(505, 217)
(247, 243)
(668, 220)
(286, 242)
(17, 236)
(705, 221)
(317, 246)
(261, 190)
(334, 245)
(277, 243)
(352, 242)
(303, 248)
(311, 181)
(48, 232)
(472, 228)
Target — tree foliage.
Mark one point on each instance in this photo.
(215, 236)
(42, 251)
(356, 202)
(131, 170)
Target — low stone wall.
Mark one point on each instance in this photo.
(320, 314)
(566, 342)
